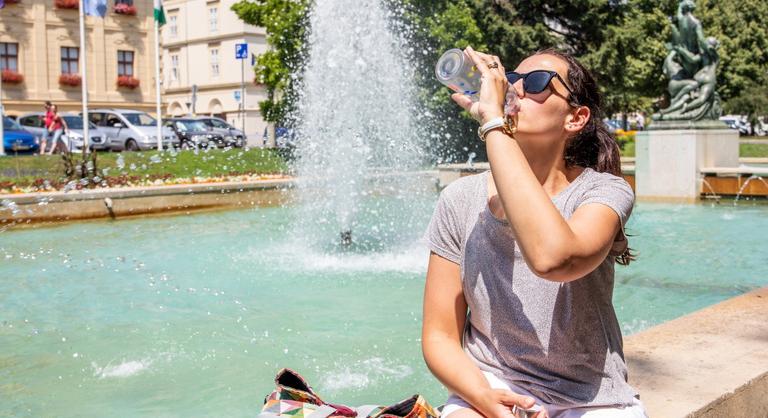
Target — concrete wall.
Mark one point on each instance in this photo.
(668, 163)
(711, 363)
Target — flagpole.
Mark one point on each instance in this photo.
(84, 81)
(157, 87)
(2, 118)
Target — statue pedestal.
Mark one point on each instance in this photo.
(668, 162)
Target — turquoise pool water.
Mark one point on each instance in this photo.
(193, 315)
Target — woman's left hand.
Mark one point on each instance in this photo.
(493, 88)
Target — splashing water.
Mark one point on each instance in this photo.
(356, 125)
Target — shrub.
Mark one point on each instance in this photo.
(12, 77)
(70, 80)
(125, 9)
(127, 81)
(66, 4)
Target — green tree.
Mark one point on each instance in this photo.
(628, 62)
(752, 102)
(286, 25)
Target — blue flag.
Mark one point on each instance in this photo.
(94, 7)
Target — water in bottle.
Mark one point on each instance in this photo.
(456, 70)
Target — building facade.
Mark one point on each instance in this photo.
(41, 60)
(200, 71)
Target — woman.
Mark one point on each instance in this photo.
(57, 127)
(47, 122)
(528, 249)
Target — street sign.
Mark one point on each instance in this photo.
(237, 95)
(241, 51)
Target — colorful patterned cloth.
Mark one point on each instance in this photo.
(294, 398)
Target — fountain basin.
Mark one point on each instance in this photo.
(133, 201)
(193, 315)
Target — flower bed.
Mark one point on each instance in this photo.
(45, 185)
(125, 9)
(12, 77)
(67, 4)
(70, 80)
(127, 82)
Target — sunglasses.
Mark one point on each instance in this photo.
(538, 80)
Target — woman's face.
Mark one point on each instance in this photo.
(542, 117)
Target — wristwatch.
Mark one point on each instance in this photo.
(492, 124)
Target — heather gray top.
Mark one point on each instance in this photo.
(561, 341)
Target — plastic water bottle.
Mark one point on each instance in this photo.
(456, 71)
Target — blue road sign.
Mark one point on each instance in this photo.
(241, 51)
(237, 95)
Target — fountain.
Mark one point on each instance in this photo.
(118, 316)
(356, 123)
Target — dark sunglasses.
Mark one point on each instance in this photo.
(538, 80)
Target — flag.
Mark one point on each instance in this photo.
(2, 4)
(159, 13)
(95, 7)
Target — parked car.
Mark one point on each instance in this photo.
(35, 123)
(193, 133)
(284, 138)
(737, 122)
(16, 138)
(232, 136)
(131, 130)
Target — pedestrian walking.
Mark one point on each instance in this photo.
(47, 122)
(640, 121)
(57, 128)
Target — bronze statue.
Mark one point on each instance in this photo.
(691, 67)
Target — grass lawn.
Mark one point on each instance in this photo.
(745, 150)
(137, 167)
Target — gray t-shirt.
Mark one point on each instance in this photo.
(561, 341)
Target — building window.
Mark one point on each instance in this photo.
(9, 56)
(174, 67)
(214, 18)
(69, 60)
(125, 63)
(214, 62)
(173, 27)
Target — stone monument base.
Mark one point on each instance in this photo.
(668, 162)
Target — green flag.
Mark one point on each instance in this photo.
(159, 13)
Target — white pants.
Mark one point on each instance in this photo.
(636, 410)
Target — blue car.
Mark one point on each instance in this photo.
(16, 139)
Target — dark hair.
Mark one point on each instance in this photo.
(48, 103)
(594, 146)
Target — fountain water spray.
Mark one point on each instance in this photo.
(355, 120)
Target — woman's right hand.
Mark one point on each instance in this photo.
(498, 403)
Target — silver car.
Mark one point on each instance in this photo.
(131, 130)
(232, 136)
(35, 123)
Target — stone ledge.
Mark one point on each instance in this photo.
(711, 363)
